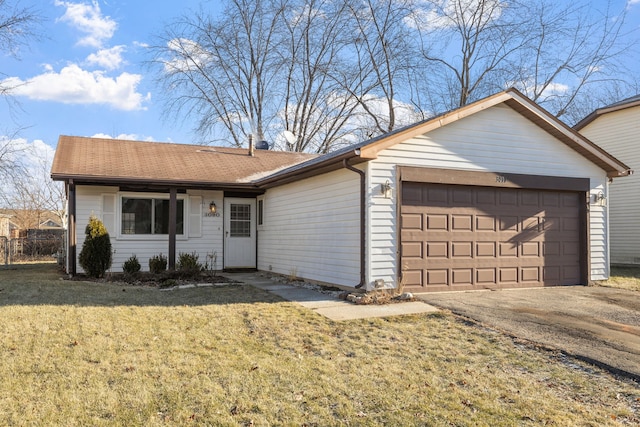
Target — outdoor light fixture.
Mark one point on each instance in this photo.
(213, 208)
(385, 189)
(600, 199)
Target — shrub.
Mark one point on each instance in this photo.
(157, 264)
(188, 263)
(95, 256)
(132, 265)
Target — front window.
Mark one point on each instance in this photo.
(149, 216)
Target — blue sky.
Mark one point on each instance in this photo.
(86, 76)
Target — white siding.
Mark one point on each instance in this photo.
(205, 232)
(618, 132)
(311, 229)
(494, 140)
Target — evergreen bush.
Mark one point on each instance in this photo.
(132, 265)
(157, 264)
(95, 256)
(188, 263)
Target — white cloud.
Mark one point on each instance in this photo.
(88, 19)
(444, 14)
(73, 85)
(187, 55)
(125, 136)
(110, 58)
(550, 91)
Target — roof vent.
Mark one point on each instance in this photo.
(262, 145)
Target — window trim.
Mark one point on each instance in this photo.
(260, 212)
(151, 196)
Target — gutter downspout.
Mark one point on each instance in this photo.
(363, 190)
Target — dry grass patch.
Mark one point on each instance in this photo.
(78, 353)
(623, 278)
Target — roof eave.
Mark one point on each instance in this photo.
(155, 183)
(569, 136)
(301, 171)
(600, 111)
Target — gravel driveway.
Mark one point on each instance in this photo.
(598, 324)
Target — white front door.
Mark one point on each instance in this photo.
(239, 233)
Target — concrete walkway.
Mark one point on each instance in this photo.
(328, 305)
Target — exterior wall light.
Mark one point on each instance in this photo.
(599, 199)
(385, 189)
(213, 208)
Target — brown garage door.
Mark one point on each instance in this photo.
(458, 237)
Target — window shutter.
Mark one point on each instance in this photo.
(109, 213)
(195, 216)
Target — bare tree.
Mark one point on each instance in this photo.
(31, 192)
(17, 27)
(324, 73)
(557, 54)
(469, 46)
(315, 110)
(384, 60)
(574, 56)
(223, 70)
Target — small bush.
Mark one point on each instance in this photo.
(95, 256)
(189, 264)
(157, 264)
(132, 265)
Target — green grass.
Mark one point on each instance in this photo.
(76, 353)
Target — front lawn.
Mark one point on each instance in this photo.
(77, 353)
(623, 278)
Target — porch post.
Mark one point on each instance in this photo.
(173, 207)
(71, 229)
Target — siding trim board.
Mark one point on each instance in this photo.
(492, 179)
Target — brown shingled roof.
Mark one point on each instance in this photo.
(115, 161)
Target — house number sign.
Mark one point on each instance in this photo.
(217, 214)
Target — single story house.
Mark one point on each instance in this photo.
(496, 194)
(616, 128)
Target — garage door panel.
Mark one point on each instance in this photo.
(461, 222)
(461, 277)
(438, 250)
(412, 221)
(509, 223)
(438, 222)
(485, 276)
(485, 223)
(486, 249)
(508, 275)
(437, 277)
(529, 249)
(464, 237)
(462, 249)
(412, 250)
(530, 274)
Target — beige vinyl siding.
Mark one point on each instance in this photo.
(203, 234)
(311, 229)
(497, 140)
(618, 132)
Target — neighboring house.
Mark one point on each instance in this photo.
(24, 222)
(493, 195)
(4, 225)
(616, 128)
